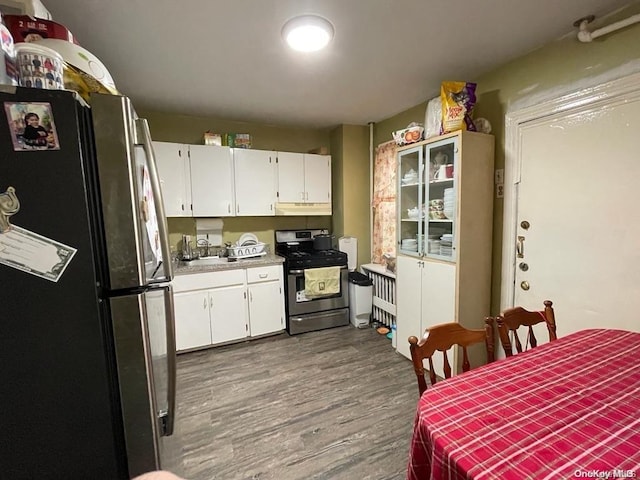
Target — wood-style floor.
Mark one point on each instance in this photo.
(333, 404)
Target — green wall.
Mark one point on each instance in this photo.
(560, 66)
(350, 186)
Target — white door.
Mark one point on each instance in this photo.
(255, 175)
(408, 301)
(193, 327)
(229, 317)
(265, 308)
(579, 194)
(211, 181)
(317, 178)
(290, 177)
(174, 178)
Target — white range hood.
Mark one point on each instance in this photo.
(300, 209)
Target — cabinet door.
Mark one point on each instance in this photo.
(211, 181)
(173, 168)
(291, 177)
(193, 327)
(442, 158)
(439, 304)
(265, 308)
(229, 317)
(408, 302)
(410, 201)
(255, 181)
(317, 178)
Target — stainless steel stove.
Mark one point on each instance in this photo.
(308, 314)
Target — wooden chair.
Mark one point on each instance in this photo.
(442, 338)
(513, 318)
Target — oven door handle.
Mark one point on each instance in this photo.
(300, 272)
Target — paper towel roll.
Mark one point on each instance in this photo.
(209, 224)
(209, 230)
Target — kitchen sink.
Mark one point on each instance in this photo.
(208, 261)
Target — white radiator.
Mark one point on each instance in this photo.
(384, 293)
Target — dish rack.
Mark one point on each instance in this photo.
(247, 251)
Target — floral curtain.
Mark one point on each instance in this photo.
(384, 201)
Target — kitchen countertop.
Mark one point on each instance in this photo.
(185, 268)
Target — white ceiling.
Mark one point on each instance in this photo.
(226, 59)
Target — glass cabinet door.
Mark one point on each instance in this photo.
(441, 200)
(411, 201)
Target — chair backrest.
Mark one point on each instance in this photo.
(442, 338)
(513, 318)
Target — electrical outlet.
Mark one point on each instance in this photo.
(500, 190)
(499, 176)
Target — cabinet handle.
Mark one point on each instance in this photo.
(263, 275)
(229, 208)
(204, 303)
(238, 208)
(271, 206)
(250, 297)
(520, 247)
(211, 302)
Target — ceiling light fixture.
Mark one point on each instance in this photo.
(307, 33)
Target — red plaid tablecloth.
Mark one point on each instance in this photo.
(566, 409)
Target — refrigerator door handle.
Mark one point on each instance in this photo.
(168, 418)
(143, 137)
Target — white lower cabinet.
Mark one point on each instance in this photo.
(228, 313)
(425, 297)
(266, 301)
(193, 324)
(219, 307)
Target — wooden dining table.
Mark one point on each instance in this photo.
(565, 409)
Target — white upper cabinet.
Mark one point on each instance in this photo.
(304, 178)
(255, 182)
(317, 178)
(212, 191)
(291, 177)
(175, 178)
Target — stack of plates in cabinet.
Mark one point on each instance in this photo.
(446, 245)
(449, 203)
(409, 244)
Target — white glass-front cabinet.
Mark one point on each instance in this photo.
(445, 225)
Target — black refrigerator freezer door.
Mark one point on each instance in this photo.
(59, 394)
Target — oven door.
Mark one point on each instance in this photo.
(299, 304)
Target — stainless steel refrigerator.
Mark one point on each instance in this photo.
(87, 344)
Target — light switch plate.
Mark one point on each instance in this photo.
(499, 176)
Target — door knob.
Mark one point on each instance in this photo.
(525, 285)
